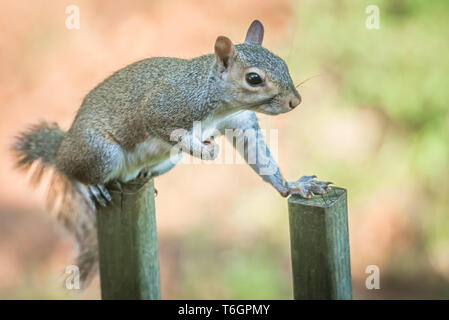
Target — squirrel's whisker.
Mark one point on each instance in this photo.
(304, 81)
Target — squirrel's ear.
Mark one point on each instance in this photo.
(225, 53)
(255, 33)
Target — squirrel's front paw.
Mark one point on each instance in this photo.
(307, 186)
(100, 195)
(209, 150)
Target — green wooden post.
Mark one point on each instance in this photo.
(320, 246)
(127, 243)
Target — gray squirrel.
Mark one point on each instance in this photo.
(124, 128)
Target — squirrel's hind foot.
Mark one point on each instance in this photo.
(100, 195)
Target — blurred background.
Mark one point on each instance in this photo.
(375, 122)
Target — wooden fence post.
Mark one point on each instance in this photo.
(127, 243)
(320, 246)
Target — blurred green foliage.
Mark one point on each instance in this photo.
(400, 74)
(400, 70)
(256, 270)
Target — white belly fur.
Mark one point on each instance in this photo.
(147, 154)
(154, 152)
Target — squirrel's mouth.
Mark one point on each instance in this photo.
(271, 106)
(277, 104)
(261, 103)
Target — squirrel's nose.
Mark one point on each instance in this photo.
(294, 102)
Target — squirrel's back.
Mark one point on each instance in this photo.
(137, 98)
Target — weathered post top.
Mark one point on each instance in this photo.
(320, 246)
(127, 243)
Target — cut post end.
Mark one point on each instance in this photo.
(322, 201)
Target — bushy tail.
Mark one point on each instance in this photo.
(36, 149)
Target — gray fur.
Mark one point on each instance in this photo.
(257, 56)
(124, 124)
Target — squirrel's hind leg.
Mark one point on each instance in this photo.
(95, 162)
(159, 169)
(165, 165)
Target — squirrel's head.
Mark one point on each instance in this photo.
(253, 77)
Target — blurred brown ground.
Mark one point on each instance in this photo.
(45, 71)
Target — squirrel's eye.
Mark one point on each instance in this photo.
(253, 78)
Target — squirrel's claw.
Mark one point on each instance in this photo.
(143, 174)
(100, 195)
(307, 186)
(104, 192)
